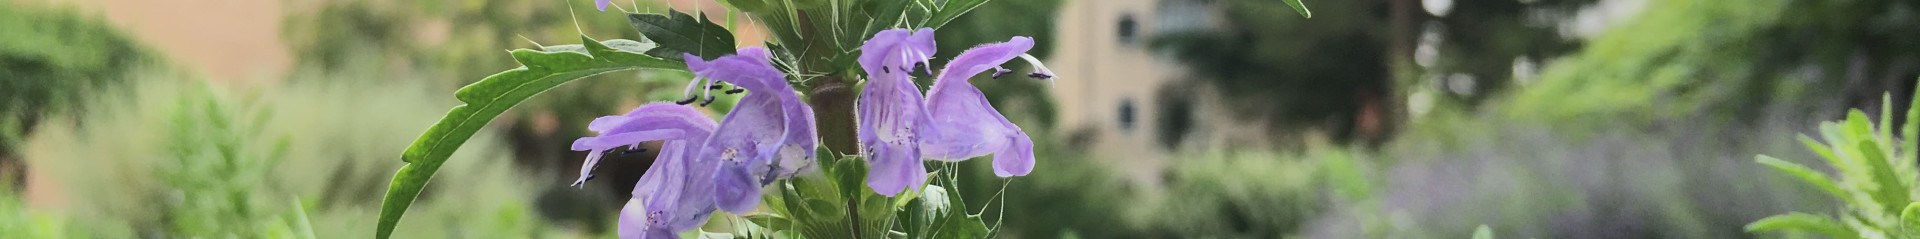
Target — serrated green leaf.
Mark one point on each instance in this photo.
(1300, 7)
(1891, 190)
(1807, 175)
(1483, 232)
(851, 176)
(771, 221)
(919, 215)
(1823, 152)
(886, 15)
(1802, 222)
(486, 99)
(676, 32)
(952, 10)
(966, 227)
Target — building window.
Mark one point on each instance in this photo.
(1127, 29)
(1126, 115)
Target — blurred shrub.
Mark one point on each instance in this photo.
(1236, 195)
(1214, 194)
(184, 159)
(17, 220)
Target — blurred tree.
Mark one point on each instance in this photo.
(1728, 61)
(1349, 64)
(51, 60)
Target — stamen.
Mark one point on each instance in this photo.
(1044, 72)
(689, 100)
(633, 150)
(690, 87)
(920, 61)
(709, 93)
(997, 72)
(736, 90)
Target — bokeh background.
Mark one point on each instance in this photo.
(1173, 119)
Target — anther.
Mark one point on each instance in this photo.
(689, 100)
(632, 150)
(997, 72)
(1038, 75)
(708, 102)
(736, 91)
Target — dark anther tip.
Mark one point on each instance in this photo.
(1037, 75)
(689, 100)
(633, 151)
(716, 87)
(708, 102)
(736, 91)
(886, 70)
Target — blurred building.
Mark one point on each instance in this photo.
(1122, 103)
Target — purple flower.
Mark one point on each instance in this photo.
(890, 110)
(602, 4)
(965, 126)
(674, 195)
(768, 135)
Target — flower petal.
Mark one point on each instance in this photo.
(965, 124)
(749, 140)
(736, 189)
(895, 168)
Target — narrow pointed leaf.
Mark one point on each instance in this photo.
(1891, 191)
(1807, 175)
(1802, 222)
(1300, 7)
(488, 98)
(1908, 145)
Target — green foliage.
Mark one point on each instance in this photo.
(1875, 181)
(1729, 61)
(492, 96)
(50, 59)
(18, 220)
(679, 33)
